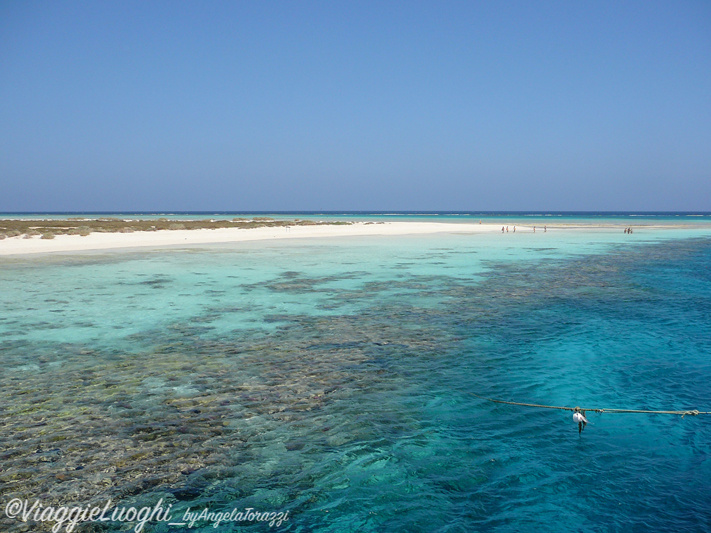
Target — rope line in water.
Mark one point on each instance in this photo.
(693, 412)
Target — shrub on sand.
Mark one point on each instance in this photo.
(48, 235)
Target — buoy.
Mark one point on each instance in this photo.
(579, 418)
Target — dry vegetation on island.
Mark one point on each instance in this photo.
(48, 229)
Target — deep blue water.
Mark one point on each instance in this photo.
(332, 379)
(520, 217)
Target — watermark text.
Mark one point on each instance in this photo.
(67, 518)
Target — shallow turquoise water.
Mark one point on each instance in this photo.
(331, 378)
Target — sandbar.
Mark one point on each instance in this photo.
(163, 238)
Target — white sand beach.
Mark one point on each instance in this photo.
(148, 239)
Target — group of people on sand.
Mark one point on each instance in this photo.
(505, 229)
(628, 230)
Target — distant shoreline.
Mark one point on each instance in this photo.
(114, 234)
(50, 228)
(209, 214)
(202, 234)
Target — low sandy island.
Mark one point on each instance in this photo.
(143, 239)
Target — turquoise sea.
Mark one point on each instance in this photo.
(333, 379)
(569, 218)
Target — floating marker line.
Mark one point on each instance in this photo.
(690, 412)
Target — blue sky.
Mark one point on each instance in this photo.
(442, 105)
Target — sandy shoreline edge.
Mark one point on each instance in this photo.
(98, 241)
(163, 238)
